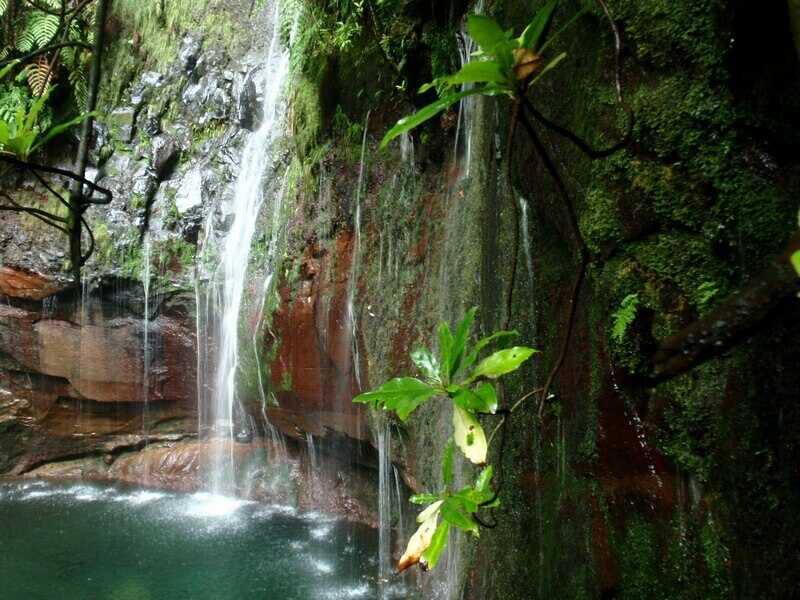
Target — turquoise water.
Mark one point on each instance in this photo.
(92, 542)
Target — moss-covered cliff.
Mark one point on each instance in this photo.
(624, 489)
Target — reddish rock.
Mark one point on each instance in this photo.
(24, 284)
(184, 465)
(314, 349)
(103, 363)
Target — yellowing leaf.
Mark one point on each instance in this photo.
(469, 435)
(429, 511)
(421, 539)
(432, 554)
(526, 63)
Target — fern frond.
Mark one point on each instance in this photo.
(41, 74)
(25, 41)
(80, 88)
(624, 316)
(44, 27)
(3, 7)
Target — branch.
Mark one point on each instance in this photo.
(584, 146)
(107, 195)
(730, 323)
(42, 215)
(45, 50)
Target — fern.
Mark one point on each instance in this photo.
(40, 75)
(3, 7)
(80, 88)
(624, 316)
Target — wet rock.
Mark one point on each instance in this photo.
(83, 355)
(190, 193)
(164, 154)
(183, 464)
(101, 148)
(25, 284)
(145, 185)
(189, 53)
(143, 90)
(314, 353)
(248, 108)
(121, 123)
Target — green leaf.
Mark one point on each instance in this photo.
(61, 128)
(487, 393)
(422, 538)
(484, 479)
(408, 123)
(429, 512)
(426, 362)
(549, 67)
(480, 71)
(452, 512)
(486, 32)
(423, 498)
(36, 108)
(624, 316)
(459, 343)
(402, 395)
(795, 260)
(7, 69)
(445, 347)
(469, 435)
(502, 362)
(432, 554)
(447, 462)
(483, 399)
(496, 336)
(532, 37)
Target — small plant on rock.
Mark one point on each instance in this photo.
(468, 384)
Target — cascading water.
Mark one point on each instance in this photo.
(219, 409)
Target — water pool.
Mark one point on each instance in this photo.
(101, 542)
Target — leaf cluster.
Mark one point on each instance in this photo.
(504, 65)
(455, 373)
(37, 27)
(21, 130)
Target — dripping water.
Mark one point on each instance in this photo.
(146, 334)
(352, 281)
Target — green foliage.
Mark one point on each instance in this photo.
(795, 260)
(32, 29)
(505, 66)
(23, 134)
(624, 316)
(471, 392)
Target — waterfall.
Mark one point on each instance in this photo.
(219, 406)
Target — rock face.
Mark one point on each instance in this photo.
(102, 363)
(23, 284)
(314, 346)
